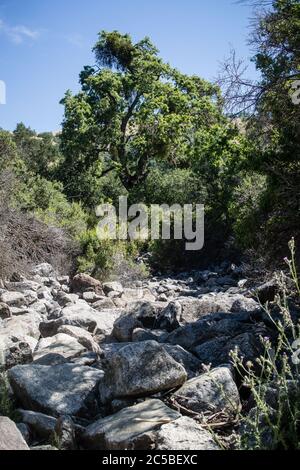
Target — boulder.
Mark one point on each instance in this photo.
(113, 287)
(5, 311)
(10, 436)
(104, 304)
(139, 315)
(66, 433)
(195, 334)
(41, 425)
(140, 369)
(92, 297)
(217, 351)
(188, 310)
(44, 270)
(83, 282)
(82, 336)
(133, 294)
(65, 389)
(39, 307)
(61, 344)
(25, 431)
(184, 434)
(191, 364)
(130, 428)
(22, 326)
(22, 286)
(212, 392)
(142, 334)
(170, 317)
(64, 299)
(13, 299)
(82, 316)
(13, 352)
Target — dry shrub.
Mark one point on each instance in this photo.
(25, 241)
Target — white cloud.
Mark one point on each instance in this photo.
(17, 34)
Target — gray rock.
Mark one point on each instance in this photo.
(21, 327)
(217, 351)
(10, 436)
(22, 286)
(109, 287)
(41, 425)
(13, 352)
(64, 299)
(130, 428)
(65, 389)
(141, 334)
(213, 392)
(91, 297)
(104, 304)
(5, 311)
(82, 336)
(51, 359)
(191, 364)
(140, 369)
(39, 307)
(195, 334)
(82, 316)
(61, 344)
(133, 294)
(170, 317)
(25, 431)
(184, 434)
(13, 299)
(141, 314)
(66, 434)
(44, 270)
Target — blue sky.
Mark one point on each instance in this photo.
(44, 44)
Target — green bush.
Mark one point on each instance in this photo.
(110, 259)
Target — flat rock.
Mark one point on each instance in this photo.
(61, 344)
(82, 336)
(129, 428)
(65, 389)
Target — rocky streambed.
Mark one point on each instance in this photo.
(102, 366)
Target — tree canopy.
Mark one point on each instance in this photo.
(133, 110)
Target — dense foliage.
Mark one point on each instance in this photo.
(141, 128)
